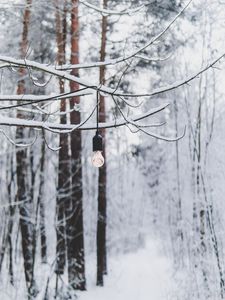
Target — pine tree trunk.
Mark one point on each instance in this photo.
(74, 211)
(23, 196)
(102, 207)
(64, 168)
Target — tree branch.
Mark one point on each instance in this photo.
(102, 88)
(65, 128)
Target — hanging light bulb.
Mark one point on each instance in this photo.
(97, 158)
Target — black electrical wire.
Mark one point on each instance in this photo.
(97, 110)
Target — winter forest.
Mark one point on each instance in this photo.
(112, 164)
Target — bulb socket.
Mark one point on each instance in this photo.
(97, 142)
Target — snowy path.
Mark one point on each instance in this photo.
(143, 275)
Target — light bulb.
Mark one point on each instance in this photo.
(98, 159)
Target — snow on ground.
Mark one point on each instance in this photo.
(143, 275)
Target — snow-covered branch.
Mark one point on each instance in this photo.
(35, 98)
(63, 128)
(102, 88)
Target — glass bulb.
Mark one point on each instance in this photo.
(98, 159)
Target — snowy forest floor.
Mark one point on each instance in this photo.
(144, 274)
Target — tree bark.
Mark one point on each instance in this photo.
(64, 167)
(74, 211)
(102, 201)
(23, 196)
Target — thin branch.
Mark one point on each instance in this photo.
(21, 145)
(140, 128)
(65, 128)
(132, 55)
(34, 99)
(105, 89)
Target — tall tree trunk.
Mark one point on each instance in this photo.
(179, 229)
(102, 213)
(23, 196)
(3, 240)
(41, 205)
(64, 167)
(6, 241)
(74, 211)
(11, 216)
